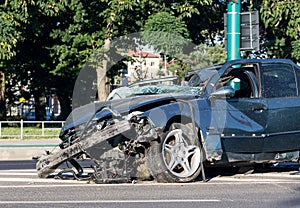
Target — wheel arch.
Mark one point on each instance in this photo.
(183, 119)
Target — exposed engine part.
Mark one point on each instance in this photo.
(113, 146)
(115, 167)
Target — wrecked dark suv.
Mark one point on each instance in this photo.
(246, 112)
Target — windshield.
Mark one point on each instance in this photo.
(196, 81)
(123, 92)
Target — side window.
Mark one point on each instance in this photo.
(240, 82)
(278, 80)
(242, 79)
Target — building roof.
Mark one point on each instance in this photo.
(143, 54)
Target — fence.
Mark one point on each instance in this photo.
(21, 129)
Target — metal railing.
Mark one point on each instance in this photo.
(38, 129)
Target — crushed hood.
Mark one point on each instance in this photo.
(84, 113)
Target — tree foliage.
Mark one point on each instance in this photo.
(29, 61)
(166, 33)
(77, 33)
(207, 26)
(45, 43)
(282, 22)
(13, 15)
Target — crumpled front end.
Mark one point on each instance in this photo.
(115, 144)
(114, 138)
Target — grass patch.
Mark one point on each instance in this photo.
(32, 132)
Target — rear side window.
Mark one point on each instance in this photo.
(278, 80)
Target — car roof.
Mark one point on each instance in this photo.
(215, 67)
(241, 61)
(155, 81)
(265, 61)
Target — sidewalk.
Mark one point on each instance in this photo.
(18, 149)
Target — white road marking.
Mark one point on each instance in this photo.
(19, 170)
(52, 183)
(17, 174)
(32, 179)
(256, 179)
(112, 201)
(39, 180)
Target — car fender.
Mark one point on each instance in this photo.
(163, 116)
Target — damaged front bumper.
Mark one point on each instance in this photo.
(49, 162)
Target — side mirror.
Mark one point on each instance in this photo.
(224, 92)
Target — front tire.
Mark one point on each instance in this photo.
(178, 157)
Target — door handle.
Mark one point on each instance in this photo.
(259, 108)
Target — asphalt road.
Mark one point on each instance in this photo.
(20, 187)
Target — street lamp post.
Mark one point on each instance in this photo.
(233, 30)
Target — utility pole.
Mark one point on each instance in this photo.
(233, 29)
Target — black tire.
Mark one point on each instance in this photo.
(178, 157)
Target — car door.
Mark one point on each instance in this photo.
(241, 119)
(279, 88)
(246, 118)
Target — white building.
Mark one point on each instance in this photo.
(144, 66)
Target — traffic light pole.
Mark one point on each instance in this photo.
(233, 30)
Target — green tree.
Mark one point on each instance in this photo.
(169, 36)
(179, 68)
(207, 26)
(78, 32)
(205, 56)
(9, 37)
(202, 56)
(28, 59)
(44, 44)
(282, 23)
(127, 16)
(166, 33)
(10, 25)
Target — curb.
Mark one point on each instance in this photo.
(25, 149)
(289, 175)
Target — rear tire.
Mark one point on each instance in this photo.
(178, 157)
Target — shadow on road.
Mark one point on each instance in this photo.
(291, 168)
(17, 164)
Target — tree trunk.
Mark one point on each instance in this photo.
(2, 96)
(40, 105)
(102, 80)
(65, 105)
